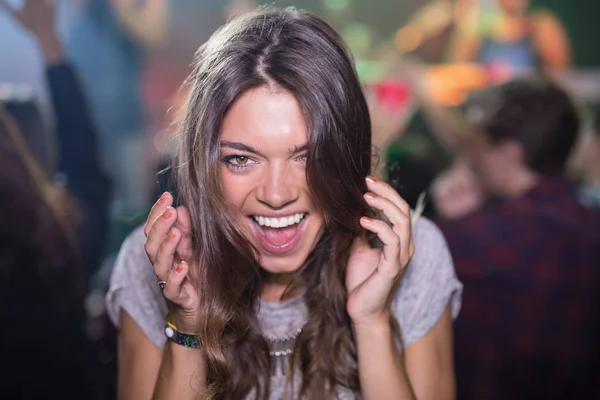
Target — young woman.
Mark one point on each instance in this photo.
(514, 36)
(272, 287)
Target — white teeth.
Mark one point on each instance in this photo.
(279, 222)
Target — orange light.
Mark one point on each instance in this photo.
(408, 38)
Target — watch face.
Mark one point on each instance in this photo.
(169, 332)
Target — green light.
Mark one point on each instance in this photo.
(336, 4)
(359, 37)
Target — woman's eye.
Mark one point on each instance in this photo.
(302, 157)
(241, 160)
(238, 162)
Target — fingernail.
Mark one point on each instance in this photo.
(179, 268)
(371, 179)
(163, 197)
(370, 196)
(171, 235)
(167, 213)
(366, 220)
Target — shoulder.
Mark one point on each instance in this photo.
(544, 20)
(429, 284)
(132, 259)
(431, 258)
(133, 289)
(426, 233)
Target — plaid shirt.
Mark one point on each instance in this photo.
(529, 326)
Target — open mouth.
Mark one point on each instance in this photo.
(279, 235)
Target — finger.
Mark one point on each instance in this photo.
(381, 188)
(174, 283)
(159, 231)
(401, 223)
(165, 255)
(165, 200)
(390, 265)
(184, 224)
(393, 213)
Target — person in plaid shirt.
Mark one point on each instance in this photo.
(530, 263)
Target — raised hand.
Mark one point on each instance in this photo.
(36, 16)
(373, 274)
(168, 246)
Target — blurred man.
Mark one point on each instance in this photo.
(108, 42)
(530, 321)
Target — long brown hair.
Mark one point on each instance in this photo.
(36, 238)
(297, 52)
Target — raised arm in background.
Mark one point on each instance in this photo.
(78, 158)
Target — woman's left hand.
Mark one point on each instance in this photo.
(373, 274)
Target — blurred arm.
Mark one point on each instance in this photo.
(449, 127)
(79, 156)
(466, 41)
(75, 132)
(552, 42)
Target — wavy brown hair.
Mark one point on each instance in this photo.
(299, 53)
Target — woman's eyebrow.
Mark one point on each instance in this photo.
(299, 149)
(241, 147)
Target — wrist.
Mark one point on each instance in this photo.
(50, 46)
(182, 338)
(372, 326)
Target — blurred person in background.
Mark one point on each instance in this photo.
(78, 166)
(107, 41)
(55, 231)
(530, 321)
(43, 339)
(589, 193)
(511, 37)
(430, 30)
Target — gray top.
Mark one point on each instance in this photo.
(427, 286)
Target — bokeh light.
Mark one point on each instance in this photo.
(336, 5)
(408, 38)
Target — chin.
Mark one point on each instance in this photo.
(281, 266)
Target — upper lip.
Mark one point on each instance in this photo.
(277, 214)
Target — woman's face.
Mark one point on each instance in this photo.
(263, 172)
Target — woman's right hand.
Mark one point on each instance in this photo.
(169, 248)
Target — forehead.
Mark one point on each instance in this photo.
(266, 119)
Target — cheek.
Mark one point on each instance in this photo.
(234, 187)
